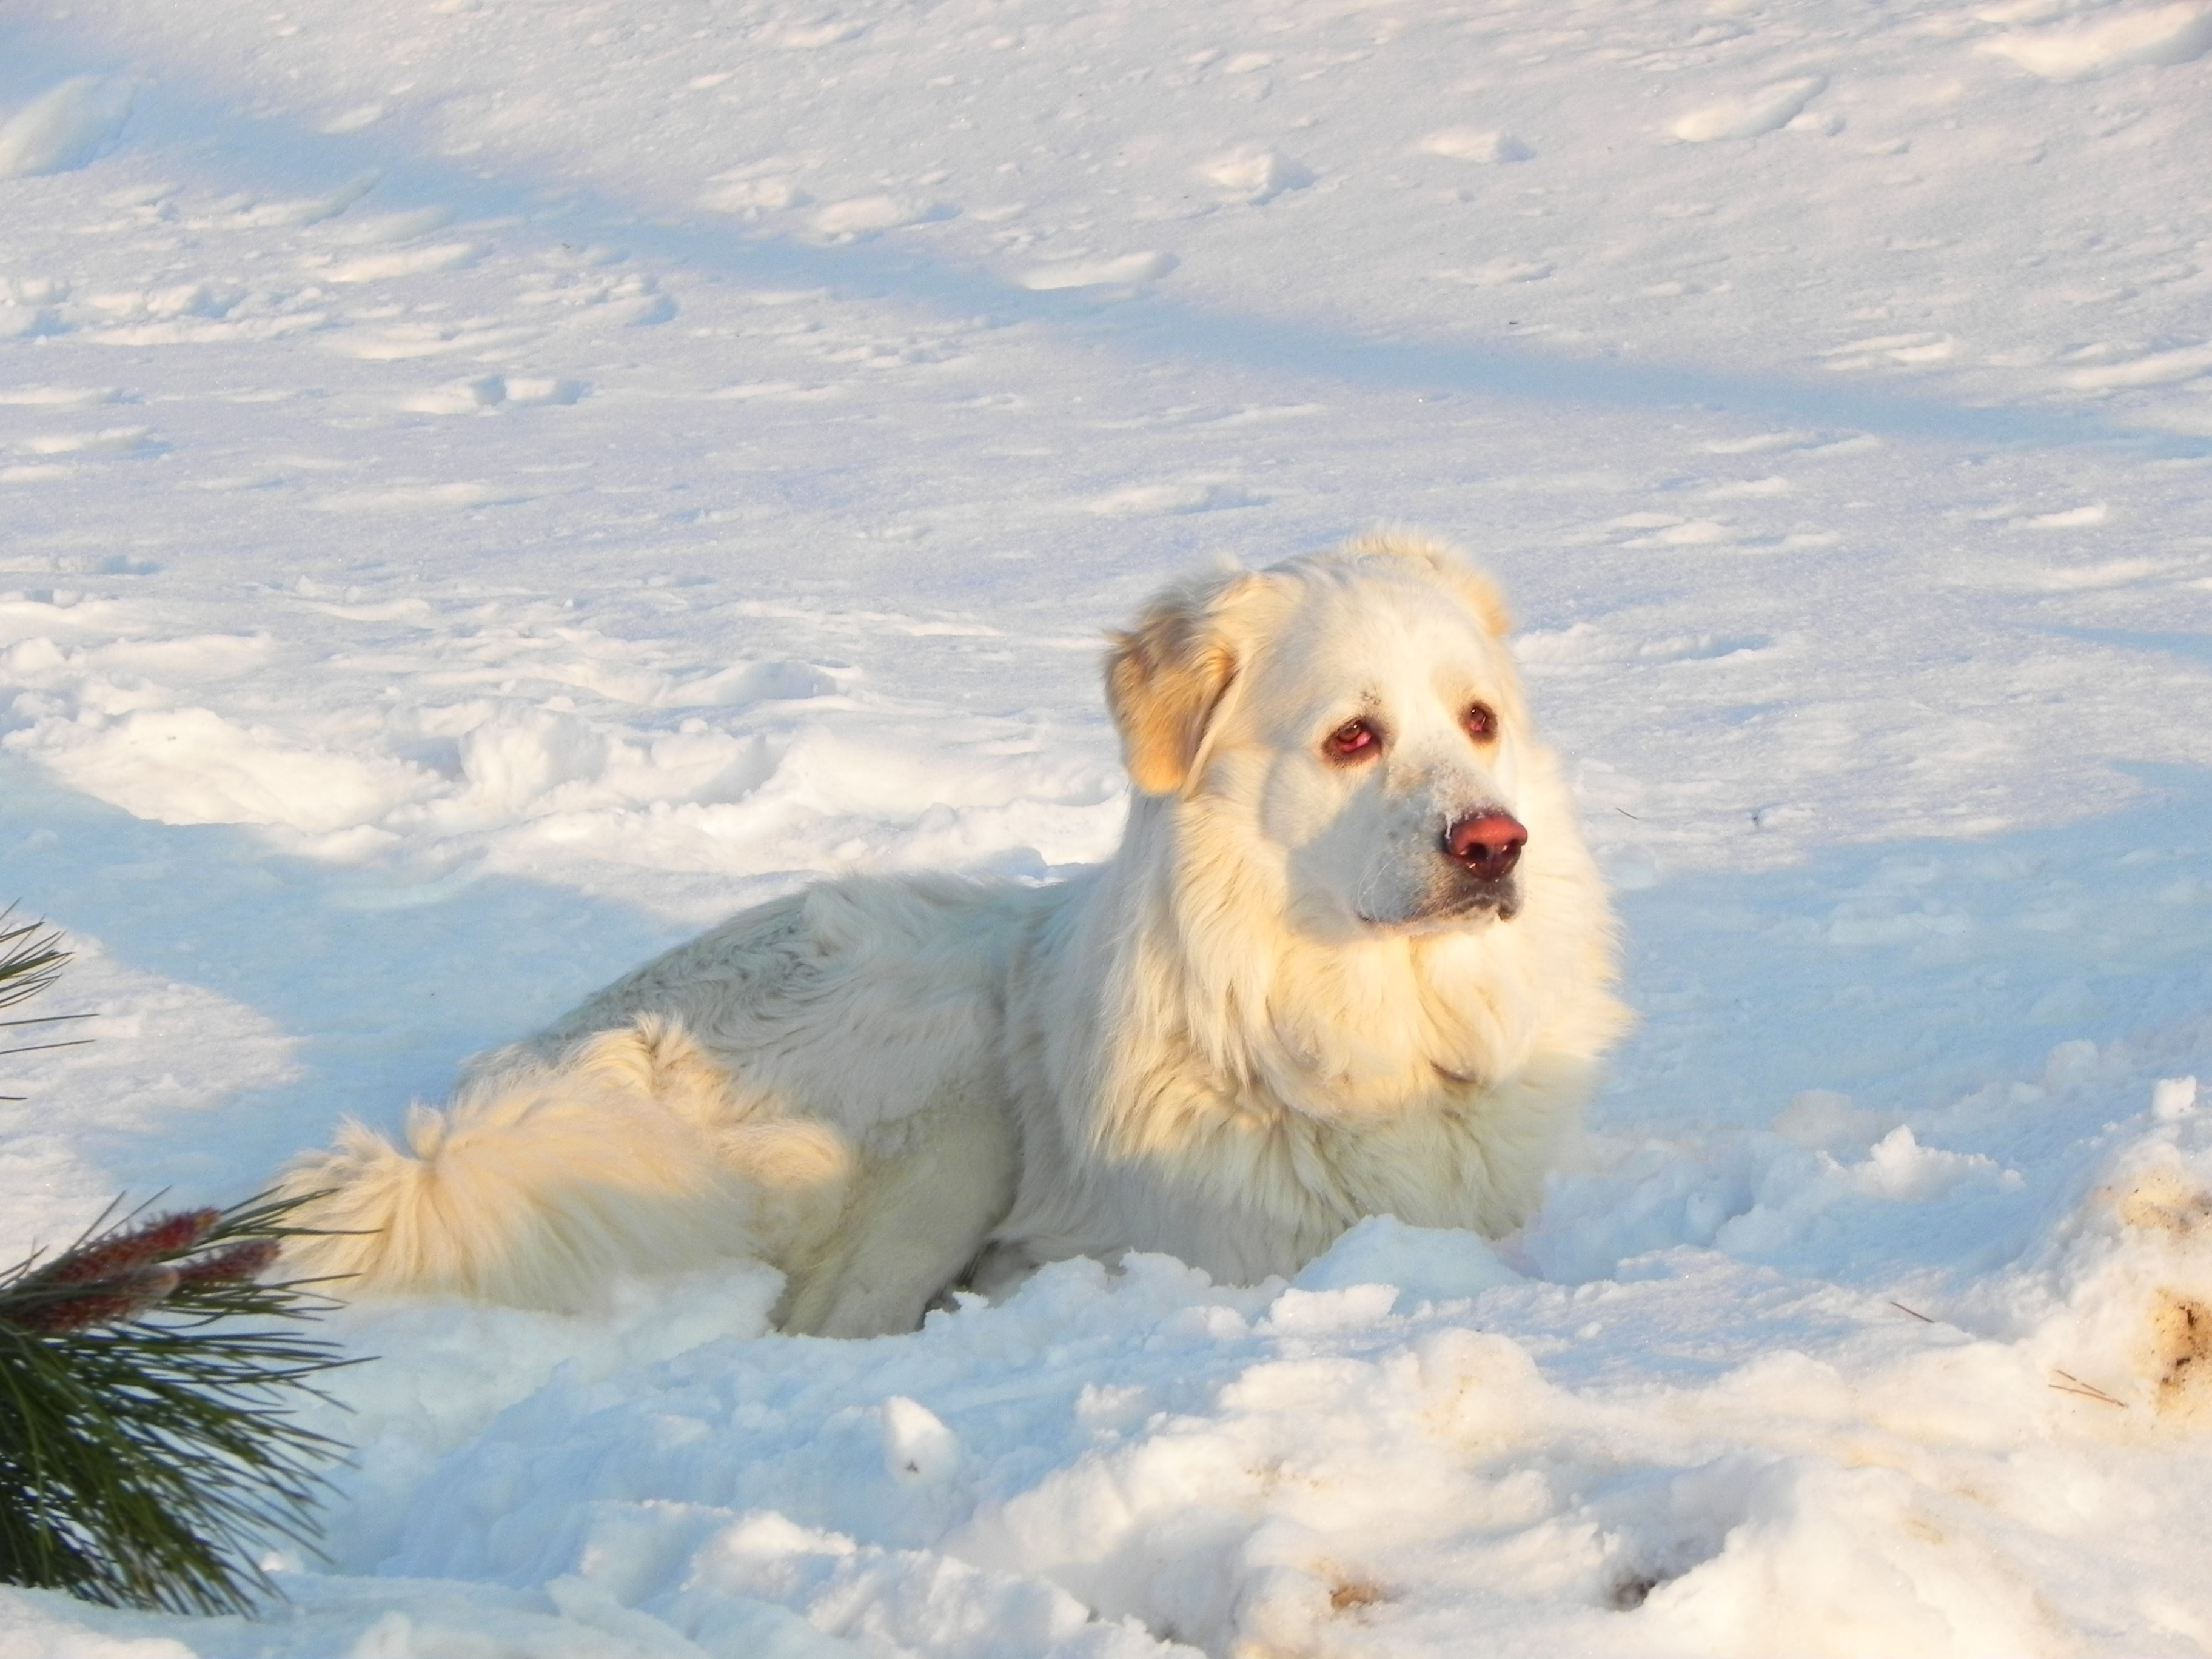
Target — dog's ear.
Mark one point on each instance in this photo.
(1476, 591)
(1166, 675)
(1480, 594)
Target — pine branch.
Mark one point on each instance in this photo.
(30, 958)
(148, 1449)
(144, 1452)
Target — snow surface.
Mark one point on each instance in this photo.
(492, 486)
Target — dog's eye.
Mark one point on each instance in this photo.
(1481, 722)
(1353, 741)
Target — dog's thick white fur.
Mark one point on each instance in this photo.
(1311, 986)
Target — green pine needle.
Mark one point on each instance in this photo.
(148, 1451)
(30, 958)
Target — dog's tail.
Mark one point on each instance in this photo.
(540, 1183)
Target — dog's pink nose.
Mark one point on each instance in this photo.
(1489, 844)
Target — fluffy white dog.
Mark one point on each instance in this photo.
(1351, 959)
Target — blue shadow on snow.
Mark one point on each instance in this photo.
(1151, 326)
(386, 985)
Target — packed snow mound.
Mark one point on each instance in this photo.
(65, 127)
(1415, 1263)
(192, 766)
(2111, 41)
(1126, 1463)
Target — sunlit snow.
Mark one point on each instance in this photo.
(491, 486)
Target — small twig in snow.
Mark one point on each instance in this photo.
(2087, 1390)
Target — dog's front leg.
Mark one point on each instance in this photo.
(929, 1187)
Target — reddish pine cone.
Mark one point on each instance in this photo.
(143, 1246)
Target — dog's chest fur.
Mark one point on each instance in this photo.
(1241, 1102)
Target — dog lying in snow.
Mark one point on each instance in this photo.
(1351, 958)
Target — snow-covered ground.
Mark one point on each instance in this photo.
(488, 486)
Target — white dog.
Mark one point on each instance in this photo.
(1351, 959)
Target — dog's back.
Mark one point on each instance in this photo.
(813, 1082)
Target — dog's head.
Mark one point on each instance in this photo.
(1356, 714)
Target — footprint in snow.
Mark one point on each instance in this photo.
(404, 341)
(405, 262)
(812, 37)
(866, 215)
(1124, 271)
(1749, 116)
(1907, 349)
(488, 391)
(2071, 518)
(355, 120)
(62, 397)
(1475, 144)
(1256, 174)
(380, 227)
(1582, 643)
(2159, 37)
(1743, 488)
(23, 322)
(767, 194)
(1140, 501)
(1499, 273)
(256, 215)
(111, 441)
(417, 497)
(1795, 440)
(2157, 368)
